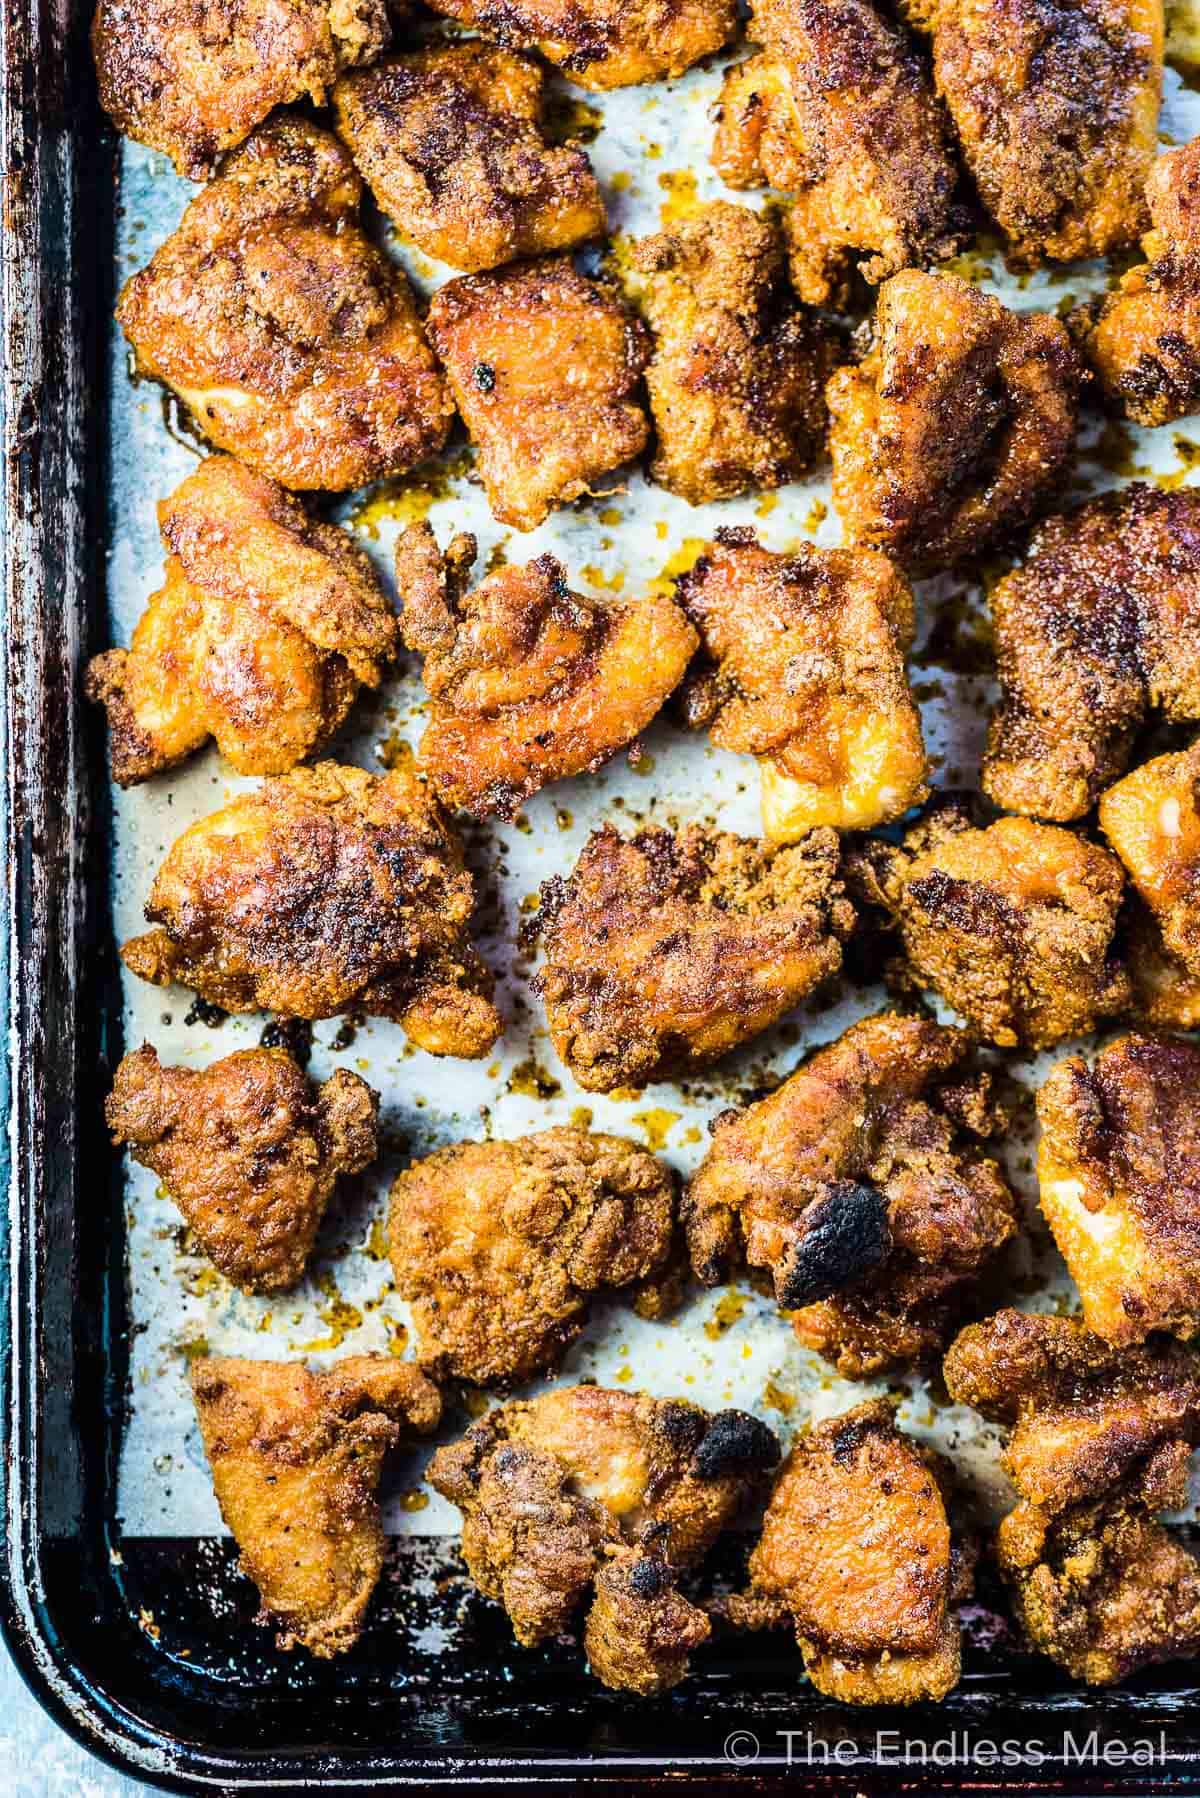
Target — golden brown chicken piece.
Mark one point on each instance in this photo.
(193, 79)
(858, 1554)
(956, 426)
(1166, 994)
(324, 891)
(296, 1459)
(1013, 925)
(665, 950)
(249, 1149)
(1143, 340)
(859, 1185)
(604, 43)
(837, 111)
(804, 667)
(266, 625)
(499, 1246)
(1100, 626)
(737, 378)
(291, 339)
(1055, 103)
(544, 365)
(529, 681)
(1119, 1172)
(587, 1494)
(1152, 820)
(449, 141)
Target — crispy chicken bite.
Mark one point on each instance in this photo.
(859, 1185)
(955, 427)
(1143, 340)
(544, 365)
(529, 681)
(737, 378)
(193, 80)
(249, 1149)
(665, 950)
(837, 111)
(324, 891)
(498, 1246)
(1055, 103)
(266, 625)
(803, 667)
(1099, 627)
(586, 1494)
(1166, 994)
(449, 141)
(1119, 1172)
(1013, 925)
(1152, 820)
(296, 1459)
(604, 43)
(291, 339)
(857, 1552)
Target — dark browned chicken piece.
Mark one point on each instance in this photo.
(1152, 820)
(1166, 994)
(266, 625)
(1119, 1172)
(666, 950)
(803, 667)
(857, 1553)
(290, 338)
(529, 681)
(837, 111)
(544, 365)
(1143, 340)
(324, 891)
(1055, 103)
(859, 1185)
(586, 1494)
(499, 1246)
(296, 1459)
(1013, 925)
(1100, 626)
(958, 424)
(193, 79)
(249, 1149)
(737, 378)
(1101, 1440)
(449, 141)
(604, 43)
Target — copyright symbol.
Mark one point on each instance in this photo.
(741, 1748)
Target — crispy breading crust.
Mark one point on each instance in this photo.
(249, 1149)
(296, 1459)
(291, 339)
(666, 950)
(1166, 994)
(499, 1246)
(529, 681)
(604, 43)
(957, 425)
(322, 891)
(449, 141)
(1152, 820)
(803, 667)
(640, 1629)
(837, 111)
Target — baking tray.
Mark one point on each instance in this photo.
(142, 1647)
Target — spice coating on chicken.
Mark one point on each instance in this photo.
(249, 1149)
(837, 111)
(957, 425)
(1152, 820)
(320, 892)
(449, 141)
(604, 43)
(296, 1458)
(293, 342)
(803, 667)
(499, 1246)
(665, 950)
(530, 682)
